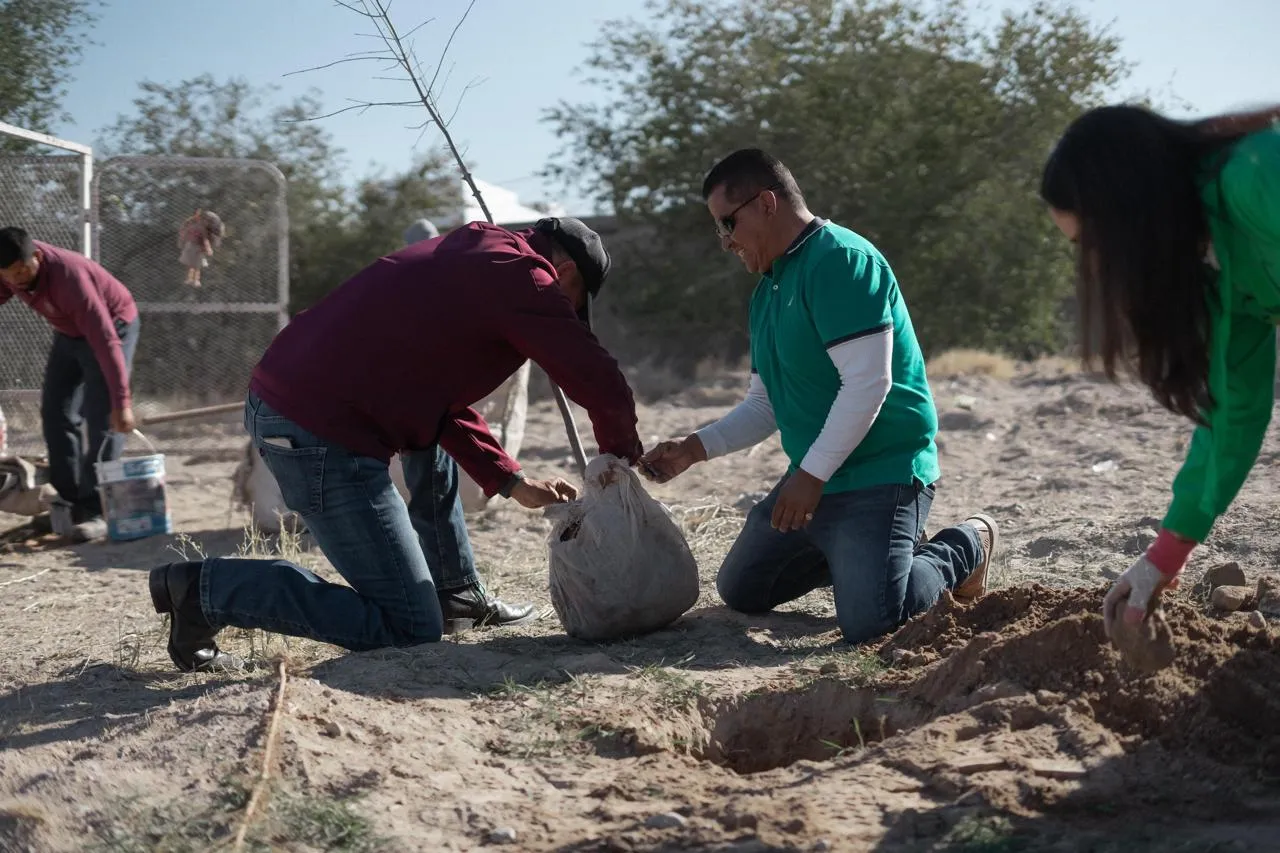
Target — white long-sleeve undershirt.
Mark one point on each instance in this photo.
(866, 375)
(746, 425)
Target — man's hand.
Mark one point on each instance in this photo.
(1134, 593)
(670, 459)
(535, 494)
(122, 420)
(797, 501)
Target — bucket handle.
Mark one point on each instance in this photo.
(138, 433)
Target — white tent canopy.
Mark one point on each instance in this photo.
(503, 204)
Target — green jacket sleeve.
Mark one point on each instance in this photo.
(1244, 207)
(1217, 469)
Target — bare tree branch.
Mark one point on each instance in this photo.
(353, 8)
(383, 58)
(465, 89)
(444, 53)
(409, 34)
(359, 105)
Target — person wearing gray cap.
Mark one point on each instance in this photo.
(422, 229)
(394, 360)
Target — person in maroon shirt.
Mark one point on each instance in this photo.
(95, 323)
(393, 361)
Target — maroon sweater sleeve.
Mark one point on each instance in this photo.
(466, 437)
(542, 326)
(78, 295)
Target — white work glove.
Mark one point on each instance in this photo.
(1134, 592)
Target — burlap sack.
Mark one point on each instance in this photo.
(620, 567)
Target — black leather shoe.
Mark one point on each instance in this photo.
(175, 589)
(472, 607)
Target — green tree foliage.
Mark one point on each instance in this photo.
(907, 123)
(40, 42)
(334, 229)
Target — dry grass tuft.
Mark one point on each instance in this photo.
(261, 650)
(955, 363)
(1056, 365)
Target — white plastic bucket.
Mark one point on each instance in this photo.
(134, 502)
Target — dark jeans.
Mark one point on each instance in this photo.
(75, 394)
(394, 556)
(865, 544)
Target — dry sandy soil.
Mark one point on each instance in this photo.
(1008, 725)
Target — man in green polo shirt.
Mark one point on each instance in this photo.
(836, 368)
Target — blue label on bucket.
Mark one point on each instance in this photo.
(136, 506)
(147, 466)
(137, 527)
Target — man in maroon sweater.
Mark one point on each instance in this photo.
(390, 362)
(95, 325)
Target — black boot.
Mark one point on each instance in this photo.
(472, 607)
(175, 589)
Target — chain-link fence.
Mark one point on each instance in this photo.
(198, 344)
(44, 188)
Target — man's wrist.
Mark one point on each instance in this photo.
(818, 478)
(697, 449)
(509, 486)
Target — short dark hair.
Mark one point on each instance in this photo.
(15, 245)
(748, 171)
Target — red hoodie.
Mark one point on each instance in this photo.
(80, 299)
(394, 358)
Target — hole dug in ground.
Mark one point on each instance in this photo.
(754, 733)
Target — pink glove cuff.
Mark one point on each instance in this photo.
(1169, 553)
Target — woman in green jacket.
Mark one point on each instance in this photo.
(1178, 278)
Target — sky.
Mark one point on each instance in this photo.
(512, 59)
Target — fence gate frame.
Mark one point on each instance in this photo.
(281, 306)
(88, 211)
(88, 202)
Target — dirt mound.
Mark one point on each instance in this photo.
(1220, 698)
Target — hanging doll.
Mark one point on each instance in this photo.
(198, 237)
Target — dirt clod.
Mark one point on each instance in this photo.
(1231, 598)
(666, 820)
(1225, 574)
(504, 835)
(1052, 769)
(1269, 595)
(1146, 646)
(977, 764)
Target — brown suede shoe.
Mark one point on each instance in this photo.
(975, 586)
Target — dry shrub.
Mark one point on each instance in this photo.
(970, 362)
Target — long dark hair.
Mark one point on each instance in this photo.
(1133, 178)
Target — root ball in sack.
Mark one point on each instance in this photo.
(620, 566)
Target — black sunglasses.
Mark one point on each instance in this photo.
(726, 224)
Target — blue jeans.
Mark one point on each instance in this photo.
(865, 544)
(74, 393)
(395, 557)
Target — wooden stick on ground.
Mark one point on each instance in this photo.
(27, 578)
(187, 414)
(268, 754)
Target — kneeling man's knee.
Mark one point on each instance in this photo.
(737, 593)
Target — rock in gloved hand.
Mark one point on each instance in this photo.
(1147, 646)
